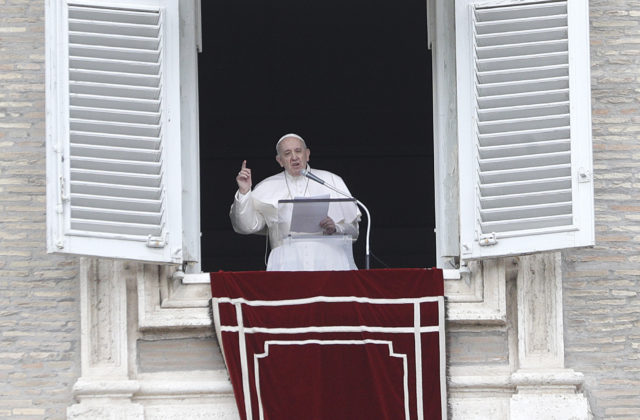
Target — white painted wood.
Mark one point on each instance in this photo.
(445, 132)
(114, 174)
(190, 37)
(524, 127)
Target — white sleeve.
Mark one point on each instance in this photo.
(244, 218)
(347, 227)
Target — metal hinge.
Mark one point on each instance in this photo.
(157, 241)
(63, 190)
(488, 239)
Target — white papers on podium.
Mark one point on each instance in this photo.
(308, 212)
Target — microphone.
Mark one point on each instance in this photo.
(309, 175)
(317, 179)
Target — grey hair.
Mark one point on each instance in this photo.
(286, 136)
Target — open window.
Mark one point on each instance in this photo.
(122, 128)
(353, 79)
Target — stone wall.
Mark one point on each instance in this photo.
(39, 317)
(601, 285)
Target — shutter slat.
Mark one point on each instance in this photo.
(115, 115)
(114, 140)
(128, 104)
(525, 161)
(525, 48)
(106, 127)
(137, 17)
(116, 228)
(112, 215)
(105, 177)
(522, 149)
(521, 11)
(536, 35)
(117, 203)
(120, 66)
(524, 187)
(527, 111)
(114, 165)
(531, 73)
(522, 124)
(522, 99)
(109, 77)
(521, 86)
(527, 224)
(110, 53)
(118, 41)
(115, 191)
(522, 174)
(116, 91)
(535, 135)
(524, 24)
(526, 212)
(96, 26)
(526, 199)
(124, 153)
(527, 61)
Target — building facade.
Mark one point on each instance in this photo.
(544, 335)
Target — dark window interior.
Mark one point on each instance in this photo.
(353, 78)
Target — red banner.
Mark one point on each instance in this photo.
(365, 344)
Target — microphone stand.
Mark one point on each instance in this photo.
(315, 178)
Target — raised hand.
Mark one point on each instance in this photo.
(244, 178)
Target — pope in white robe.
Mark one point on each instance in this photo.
(256, 211)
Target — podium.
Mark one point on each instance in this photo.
(339, 345)
(303, 247)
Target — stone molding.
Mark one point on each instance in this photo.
(165, 303)
(540, 333)
(115, 295)
(543, 387)
(479, 295)
(535, 383)
(103, 318)
(121, 301)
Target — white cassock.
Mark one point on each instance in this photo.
(257, 212)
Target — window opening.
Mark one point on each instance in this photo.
(354, 79)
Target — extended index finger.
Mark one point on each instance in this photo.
(244, 165)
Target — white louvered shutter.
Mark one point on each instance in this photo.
(524, 125)
(113, 130)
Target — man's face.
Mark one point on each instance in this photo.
(293, 156)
